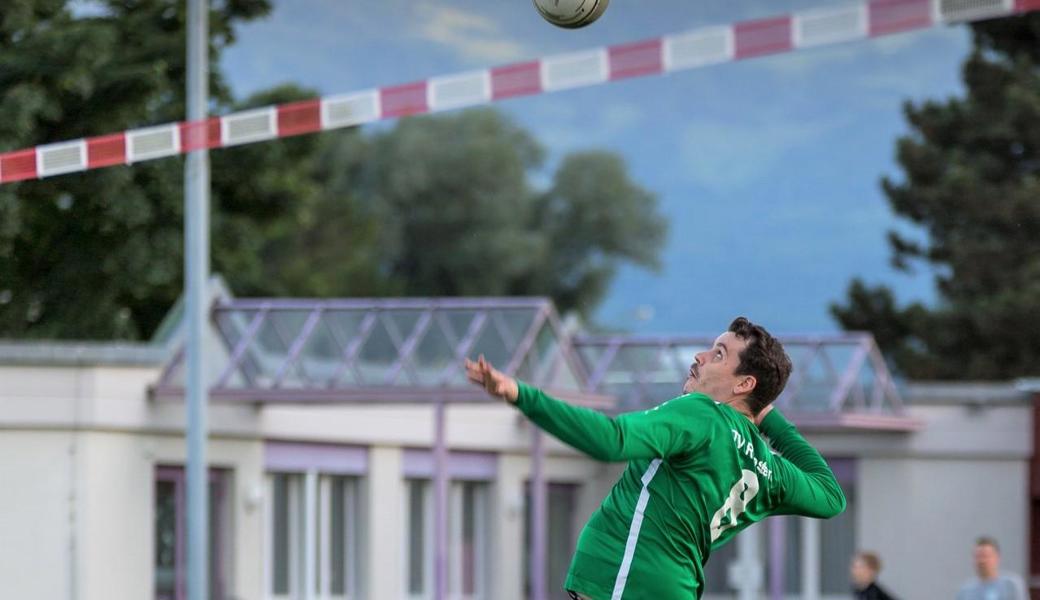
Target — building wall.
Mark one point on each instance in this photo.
(114, 513)
(923, 515)
(242, 459)
(82, 450)
(926, 499)
(36, 513)
(79, 446)
(383, 566)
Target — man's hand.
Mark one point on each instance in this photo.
(492, 380)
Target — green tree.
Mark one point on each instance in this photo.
(972, 183)
(432, 206)
(591, 219)
(98, 254)
(458, 214)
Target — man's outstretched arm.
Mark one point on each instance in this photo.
(656, 433)
(810, 488)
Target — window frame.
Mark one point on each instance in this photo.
(219, 519)
(482, 538)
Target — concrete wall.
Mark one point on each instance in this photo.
(36, 510)
(383, 499)
(79, 446)
(923, 515)
(926, 498)
(243, 462)
(77, 513)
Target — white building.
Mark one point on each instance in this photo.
(323, 445)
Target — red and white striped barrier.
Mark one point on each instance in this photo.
(687, 50)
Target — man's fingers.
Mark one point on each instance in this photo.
(483, 374)
(476, 374)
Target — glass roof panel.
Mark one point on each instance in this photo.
(843, 372)
(342, 345)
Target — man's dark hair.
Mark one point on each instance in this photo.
(763, 358)
(988, 541)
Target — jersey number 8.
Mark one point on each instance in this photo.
(740, 495)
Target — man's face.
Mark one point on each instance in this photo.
(987, 561)
(713, 371)
(861, 573)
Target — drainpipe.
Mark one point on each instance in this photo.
(1032, 387)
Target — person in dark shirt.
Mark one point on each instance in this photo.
(863, 571)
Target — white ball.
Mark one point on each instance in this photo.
(571, 13)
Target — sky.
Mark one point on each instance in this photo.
(768, 170)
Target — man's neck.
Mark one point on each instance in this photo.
(739, 405)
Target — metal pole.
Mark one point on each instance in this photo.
(440, 505)
(810, 559)
(539, 517)
(196, 272)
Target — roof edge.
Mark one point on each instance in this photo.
(26, 353)
(923, 393)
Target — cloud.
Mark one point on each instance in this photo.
(474, 37)
(721, 155)
(618, 117)
(565, 123)
(910, 49)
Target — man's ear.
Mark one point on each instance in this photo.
(745, 385)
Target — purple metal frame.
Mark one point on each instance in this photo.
(244, 358)
(247, 337)
(847, 405)
(421, 463)
(299, 457)
(539, 514)
(400, 380)
(777, 556)
(608, 359)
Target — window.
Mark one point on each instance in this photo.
(792, 549)
(333, 516)
(171, 533)
(561, 537)
(467, 539)
(837, 545)
(716, 578)
(338, 576)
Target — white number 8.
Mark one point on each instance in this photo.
(740, 495)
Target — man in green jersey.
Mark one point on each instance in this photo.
(700, 468)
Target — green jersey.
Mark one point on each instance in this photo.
(698, 472)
